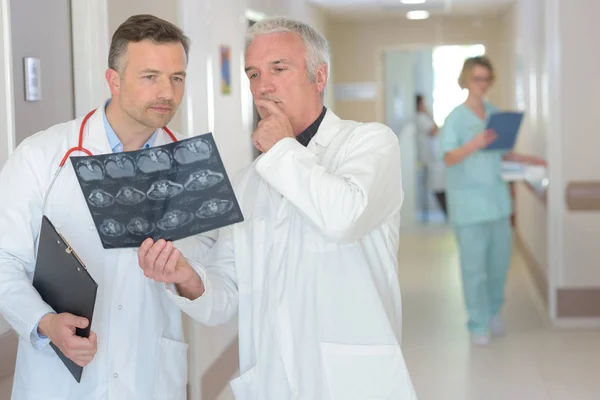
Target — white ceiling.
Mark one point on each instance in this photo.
(383, 8)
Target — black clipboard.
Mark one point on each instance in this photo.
(64, 283)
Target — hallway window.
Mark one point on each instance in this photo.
(447, 63)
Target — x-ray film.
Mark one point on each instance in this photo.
(167, 192)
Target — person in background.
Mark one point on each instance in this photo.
(479, 201)
(428, 152)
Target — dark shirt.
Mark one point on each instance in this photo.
(305, 137)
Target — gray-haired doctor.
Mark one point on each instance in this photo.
(312, 271)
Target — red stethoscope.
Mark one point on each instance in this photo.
(82, 149)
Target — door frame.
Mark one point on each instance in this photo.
(7, 105)
(91, 42)
(380, 67)
(556, 204)
(89, 21)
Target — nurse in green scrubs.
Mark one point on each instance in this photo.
(479, 201)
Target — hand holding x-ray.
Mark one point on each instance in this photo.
(161, 261)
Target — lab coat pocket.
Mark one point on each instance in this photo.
(172, 370)
(356, 372)
(247, 386)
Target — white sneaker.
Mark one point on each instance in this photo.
(480, 339)
(496, 326)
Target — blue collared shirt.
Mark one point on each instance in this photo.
(113, 140)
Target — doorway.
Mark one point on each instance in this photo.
(255, 115)
(433, 73)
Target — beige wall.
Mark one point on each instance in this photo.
(527, 22)
(120, 10)
(554, 48)
(577, 66)
(357, 45)
(580, 86)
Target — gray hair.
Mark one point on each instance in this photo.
(317, 48)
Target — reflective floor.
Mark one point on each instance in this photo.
(532, 361)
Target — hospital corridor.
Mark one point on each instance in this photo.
(533, 360)
(299, 200)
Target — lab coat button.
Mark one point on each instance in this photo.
(115, 376)
(120, 307)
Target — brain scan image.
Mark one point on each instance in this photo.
(192, 151)
(112, 228)
(174, 219)
(139, 226)
(119, 166)
(130, 196)
(154, 160)
(203, 179)
(101, 198)
(213, 208)
(90, 170)
(164, 189)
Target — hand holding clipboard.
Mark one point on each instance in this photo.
(64, 284)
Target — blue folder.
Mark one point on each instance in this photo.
(506, 125)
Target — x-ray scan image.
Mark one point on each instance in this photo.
(101, 198)
(164, 189)
(90, 170)
(170, 191)
(130, 196)
(174, 219)
(154, 160)
(139, 226)
(203, 179)
(192, 151)
(119, 166)
(213, 208)
(112, 228)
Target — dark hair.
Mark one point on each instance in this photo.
(143, 27)
(418, 100)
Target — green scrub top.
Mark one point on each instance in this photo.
(475, 190)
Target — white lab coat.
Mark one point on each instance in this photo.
(141, 350)
(312, 271)
(429, 152)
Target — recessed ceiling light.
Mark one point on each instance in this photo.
(412, 1)
(417, 14)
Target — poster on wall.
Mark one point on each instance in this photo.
(225, 70)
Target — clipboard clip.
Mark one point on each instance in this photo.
(69, 250)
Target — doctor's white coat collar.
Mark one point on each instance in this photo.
(96, 141)
(327, 130)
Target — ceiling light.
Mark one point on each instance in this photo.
(412, 1)
(417, 14)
